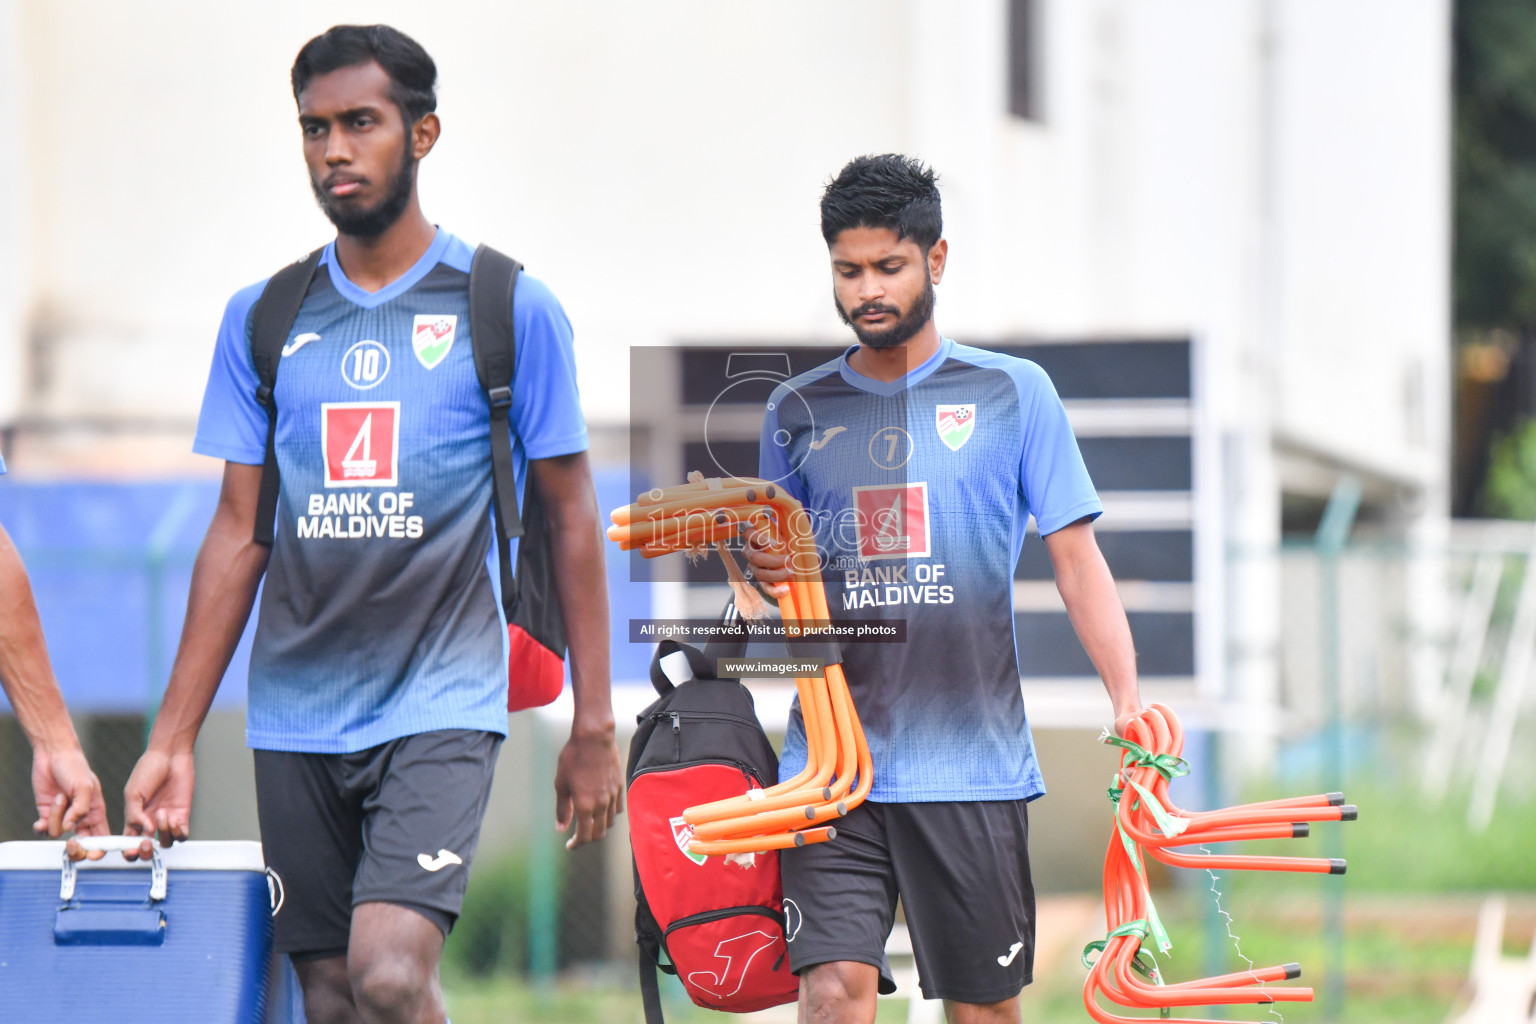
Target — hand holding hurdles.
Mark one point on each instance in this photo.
(769, 560)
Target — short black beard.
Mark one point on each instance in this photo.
(899, 333)
(372, 223)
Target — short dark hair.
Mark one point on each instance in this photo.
(412, 74)
(886, 191)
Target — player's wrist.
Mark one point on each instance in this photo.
(170, 746)
(55, 739)
(595, 727)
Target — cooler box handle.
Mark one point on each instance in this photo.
(111, 844)
(96, 926)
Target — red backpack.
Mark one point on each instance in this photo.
(717, 923)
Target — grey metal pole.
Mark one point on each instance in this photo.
(1216, 939)
(1332, 534)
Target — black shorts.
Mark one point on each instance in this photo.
(396, 823)
(962, 872)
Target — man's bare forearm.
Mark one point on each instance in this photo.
(24, 669)
(1093, 604)
(577, 552)
(225, 576)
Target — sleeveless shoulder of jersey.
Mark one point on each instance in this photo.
(232, 424)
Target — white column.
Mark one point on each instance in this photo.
(1253, 478)
(14, 226)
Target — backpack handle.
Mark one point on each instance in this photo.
(698, 666)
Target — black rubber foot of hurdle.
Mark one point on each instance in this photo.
(1349, 812)
(1336, 865)
(1292, 972)
(1300, 830)
(1334, 799)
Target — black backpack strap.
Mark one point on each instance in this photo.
(271, 321)
(492, 282)
(650, 989)
(648, 937)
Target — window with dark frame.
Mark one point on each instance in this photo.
(1023, 59)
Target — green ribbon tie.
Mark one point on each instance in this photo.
(1159, 933)
(1168, 766)
(1144, 962)
(1170, 825)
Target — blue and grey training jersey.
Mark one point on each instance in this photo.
(920, 492)
(378, 618)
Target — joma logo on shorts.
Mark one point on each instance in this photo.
(442, 860)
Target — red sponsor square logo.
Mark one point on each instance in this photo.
(892, 521)
(361, 442)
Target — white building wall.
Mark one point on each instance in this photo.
(659, 164)
(1363, 186)
(1270, 176)
(15, 292)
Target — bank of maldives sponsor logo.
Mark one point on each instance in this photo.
(361, 443)
(956, 424)
(432, 336)
(892, 521)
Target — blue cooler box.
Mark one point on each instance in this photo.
(187, 940)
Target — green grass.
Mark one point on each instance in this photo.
(1394, 974)
(1401, 845)
(1405, 962)
(1405, 959)
(1416, 878)
(491, 936)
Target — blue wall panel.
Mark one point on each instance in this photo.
(111, 565)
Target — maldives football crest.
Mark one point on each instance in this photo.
(956, 423)
(682, 832)
(432, 337)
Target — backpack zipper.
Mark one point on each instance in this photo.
(740, 766)
(707, 916)
(708, 716)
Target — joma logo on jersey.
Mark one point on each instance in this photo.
(361, 442)
(892, 522)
